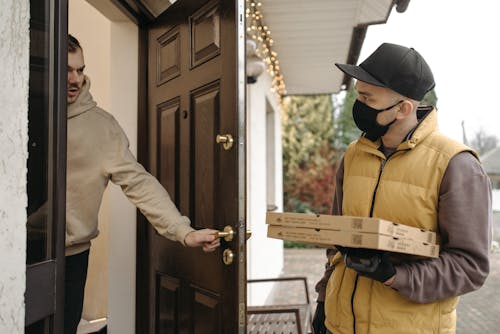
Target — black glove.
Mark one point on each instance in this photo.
(371, 263)
(341, 249)
(319, 319)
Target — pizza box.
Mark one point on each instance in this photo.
(329, 238)
(349, 223)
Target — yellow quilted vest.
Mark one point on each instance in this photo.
(403, 189)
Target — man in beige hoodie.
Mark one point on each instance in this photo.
(98, 152)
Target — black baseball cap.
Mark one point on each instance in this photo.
(396, 67)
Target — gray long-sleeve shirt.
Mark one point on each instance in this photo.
(465, 220)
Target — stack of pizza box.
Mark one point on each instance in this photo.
(360, 232)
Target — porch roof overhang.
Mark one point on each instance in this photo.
(311, 36)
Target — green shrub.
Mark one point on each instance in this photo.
(296, 244)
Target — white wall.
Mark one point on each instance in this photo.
(96, 53)
(265, 256)
(112, 64)
(14, 74)
(496, 199)
(122, 213)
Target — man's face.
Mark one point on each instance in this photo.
(378, 98)
(76, 65)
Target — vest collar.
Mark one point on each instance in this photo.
(369, 146)
(427, 124)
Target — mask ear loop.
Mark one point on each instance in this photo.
(395, 119)
(388, 108)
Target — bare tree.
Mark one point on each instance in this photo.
(483, 142)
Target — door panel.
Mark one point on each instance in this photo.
(206, 311)
(168, 146)
(168, 304)
(195, 84)
(205, 127)
(205, 34)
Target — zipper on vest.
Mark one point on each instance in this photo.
(352, 304)
(382, 165)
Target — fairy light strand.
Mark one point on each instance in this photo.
(262, 35)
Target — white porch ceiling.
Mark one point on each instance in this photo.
(310, 36)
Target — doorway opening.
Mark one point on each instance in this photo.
(110, 46)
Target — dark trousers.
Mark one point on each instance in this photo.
(74, 288)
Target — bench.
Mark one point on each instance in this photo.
(282, 318)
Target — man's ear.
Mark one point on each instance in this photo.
(405, 109)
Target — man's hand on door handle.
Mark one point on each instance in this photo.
(206, 238)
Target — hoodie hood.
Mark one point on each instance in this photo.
(84, 101)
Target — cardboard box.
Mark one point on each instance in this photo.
(328, 238)
(347, 223)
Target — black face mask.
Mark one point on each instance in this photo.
(365, 118)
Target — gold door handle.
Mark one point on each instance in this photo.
(227, 233)
(226, 141)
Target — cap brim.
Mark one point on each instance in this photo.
(359, 73)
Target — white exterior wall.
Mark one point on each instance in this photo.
(14, 75)
(496, 199)
(265, 256)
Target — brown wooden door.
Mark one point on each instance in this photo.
(195, 86)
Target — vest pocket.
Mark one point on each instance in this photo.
(393, 313)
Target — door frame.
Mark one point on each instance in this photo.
(44, 294)
(142, 17)
(242, 178)
(139, 14)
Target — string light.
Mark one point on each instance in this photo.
(262, 35)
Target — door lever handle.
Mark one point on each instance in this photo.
(228, 233)
(226, 141)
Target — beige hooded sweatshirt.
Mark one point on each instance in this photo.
(98, 152)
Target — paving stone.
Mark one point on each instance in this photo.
(477, 312)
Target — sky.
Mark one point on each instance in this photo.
(460, 40)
